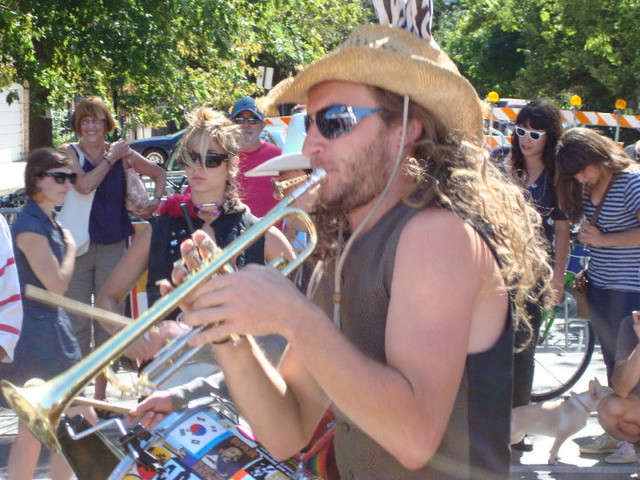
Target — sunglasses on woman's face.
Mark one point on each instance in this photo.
(338, 120)
(533, 134)
(211, 160)
(61, 177)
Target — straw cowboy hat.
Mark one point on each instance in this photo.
(398, 61)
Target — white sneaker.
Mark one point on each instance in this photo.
(605, 443)
(626, 453)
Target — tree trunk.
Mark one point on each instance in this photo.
(40, 122)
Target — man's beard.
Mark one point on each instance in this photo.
(366, 179)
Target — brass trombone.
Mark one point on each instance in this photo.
(40, 407)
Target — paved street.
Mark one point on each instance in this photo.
(525, 466)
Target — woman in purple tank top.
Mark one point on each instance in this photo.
(100, 167)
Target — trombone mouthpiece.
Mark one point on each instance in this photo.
(317, 176)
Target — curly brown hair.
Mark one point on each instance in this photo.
(456, 176)
(541, 115)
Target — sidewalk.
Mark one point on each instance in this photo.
(524, 465)
(533, 465)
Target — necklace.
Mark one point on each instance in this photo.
(541, 180)
(207, 208)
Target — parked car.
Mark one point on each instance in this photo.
(511, 103)
(157, 149)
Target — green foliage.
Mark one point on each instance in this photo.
(546, 48)
(154, 60)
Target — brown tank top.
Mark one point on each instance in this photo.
(476, 442)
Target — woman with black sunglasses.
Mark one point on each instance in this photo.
(531, 162)
(208, 152)
(45, 257)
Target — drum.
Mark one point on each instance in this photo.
(208, 441)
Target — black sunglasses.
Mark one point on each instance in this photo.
(61, 177)
(241, 120)
(338, 120)
(211, 159)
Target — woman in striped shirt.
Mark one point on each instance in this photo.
(587, 163)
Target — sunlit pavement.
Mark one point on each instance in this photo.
(524, 466)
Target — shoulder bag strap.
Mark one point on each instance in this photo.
(596, 214)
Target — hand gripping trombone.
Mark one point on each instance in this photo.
(40, 407)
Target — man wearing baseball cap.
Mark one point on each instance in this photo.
(428, 257)
(255, 191)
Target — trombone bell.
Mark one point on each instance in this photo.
(39, 407)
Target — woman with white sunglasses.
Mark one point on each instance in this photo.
(532, 164)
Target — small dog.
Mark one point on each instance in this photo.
(560, 418)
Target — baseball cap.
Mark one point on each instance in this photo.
(246, 104)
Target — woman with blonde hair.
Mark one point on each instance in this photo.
(208, 151)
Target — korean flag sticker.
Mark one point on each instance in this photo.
(196, 433)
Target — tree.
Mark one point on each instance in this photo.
(547, 48)
(155, 60)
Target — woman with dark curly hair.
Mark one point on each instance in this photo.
(531, 162)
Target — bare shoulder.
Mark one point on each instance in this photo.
(30, 242)
(443, 236)
(69, 150)
(443, 229)
(437, 244)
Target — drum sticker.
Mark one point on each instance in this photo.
(266, 470)
(163, 453)
(196, 434)
(228, 459)
(174, 470)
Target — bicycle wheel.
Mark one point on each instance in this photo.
(563, 356)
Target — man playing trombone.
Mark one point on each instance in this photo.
(428, 256)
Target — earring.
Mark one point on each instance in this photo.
(39, 196)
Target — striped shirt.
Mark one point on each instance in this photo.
(616, 268)
(10, 300)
